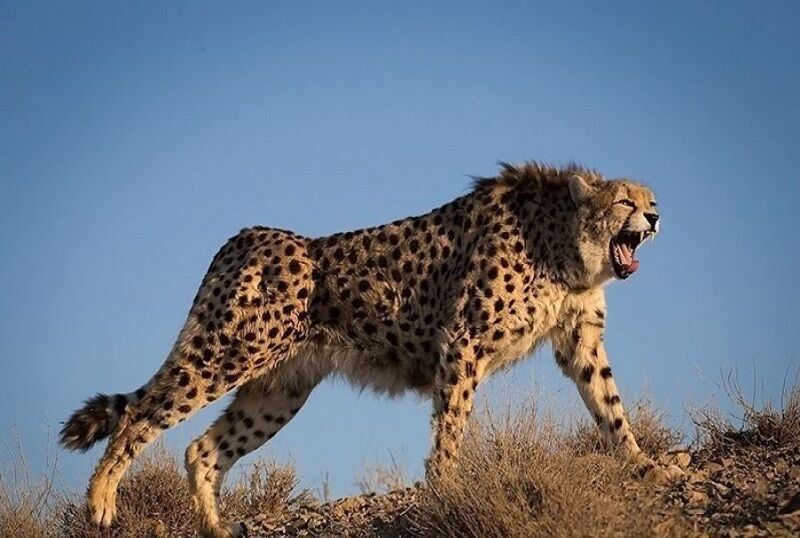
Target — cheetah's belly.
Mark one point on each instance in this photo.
(377, 369)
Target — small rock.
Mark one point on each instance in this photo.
(698, 476)
(696, 498)
(680, 459)
(683, 459)
(161, 529)
(781, 466)
(665, 527)
(714, 468)
(792, 505)
(721, 489)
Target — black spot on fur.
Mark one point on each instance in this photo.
(587, 373)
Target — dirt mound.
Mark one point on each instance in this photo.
(741, 491)
(362, 516)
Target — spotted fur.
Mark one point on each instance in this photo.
(431, 304)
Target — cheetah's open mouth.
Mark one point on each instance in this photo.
(623, 252)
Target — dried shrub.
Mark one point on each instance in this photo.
(26, 503)
(265, 491)
(520, 477)
(153, 500)
(382, 479)
(649, 427)
(760, 424)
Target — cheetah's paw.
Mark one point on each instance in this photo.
(102, 508)
(657, 474)
(234, 530)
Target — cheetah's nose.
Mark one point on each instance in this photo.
(652, 218)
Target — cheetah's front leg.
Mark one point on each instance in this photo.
(457, 378)
(581, 356)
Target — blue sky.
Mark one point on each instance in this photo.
(136, 137)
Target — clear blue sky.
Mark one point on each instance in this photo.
(135, 138)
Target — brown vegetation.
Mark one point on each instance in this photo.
(520, 476)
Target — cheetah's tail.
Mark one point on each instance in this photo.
(96, 419)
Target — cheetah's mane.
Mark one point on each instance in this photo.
(533, 173)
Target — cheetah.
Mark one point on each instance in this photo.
(431, 304)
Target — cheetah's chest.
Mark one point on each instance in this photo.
(525, 333)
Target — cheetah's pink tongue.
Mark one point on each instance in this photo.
(627, 261)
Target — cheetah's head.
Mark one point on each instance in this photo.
(614, 218)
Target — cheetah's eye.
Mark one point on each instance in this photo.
(625, 202)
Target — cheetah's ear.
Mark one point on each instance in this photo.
(580, 190)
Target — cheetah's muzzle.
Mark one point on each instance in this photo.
(623, 252)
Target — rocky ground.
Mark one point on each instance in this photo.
(740, 492)
(750, 490)
(388, 515)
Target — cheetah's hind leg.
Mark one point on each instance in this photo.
(176, 393)
(259, 410)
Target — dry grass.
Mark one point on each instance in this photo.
(759, 423)
(266, 490)
(382, 479)
(153, 497)
(521, 476)
(153, 500)
(26, 504)
(648, 425)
